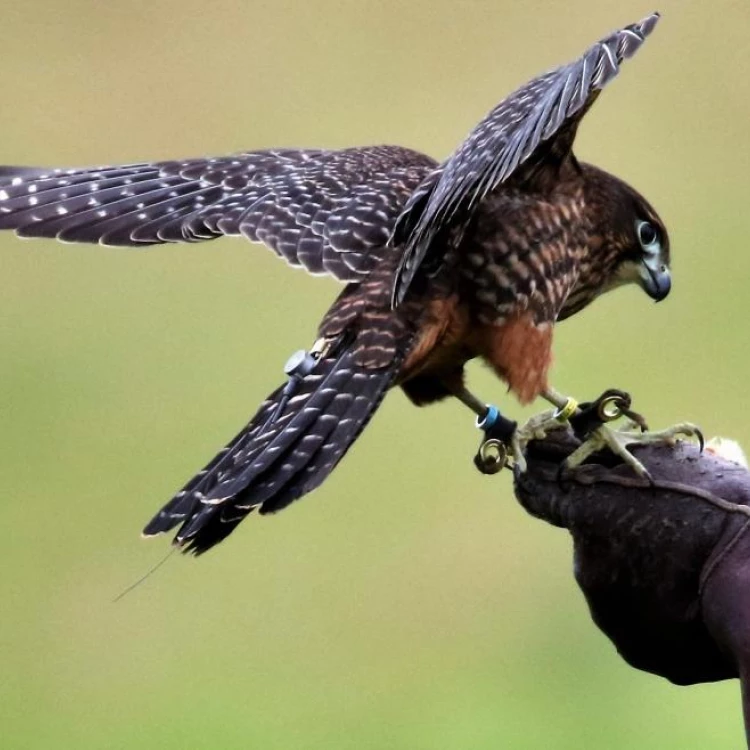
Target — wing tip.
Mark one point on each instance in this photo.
(648, 24)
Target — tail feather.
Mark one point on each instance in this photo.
(287, 450)
(190, 499)
(352, 413)
(310, 416)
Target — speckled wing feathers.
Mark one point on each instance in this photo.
(326, 211)
(520, 130)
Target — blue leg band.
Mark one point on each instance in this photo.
(489, 419)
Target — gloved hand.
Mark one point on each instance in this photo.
(665, 568)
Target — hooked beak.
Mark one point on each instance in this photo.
(655, 278)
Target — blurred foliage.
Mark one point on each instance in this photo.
(409, 603)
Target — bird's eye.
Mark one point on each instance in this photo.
(648, 235)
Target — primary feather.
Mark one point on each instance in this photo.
(329, 212)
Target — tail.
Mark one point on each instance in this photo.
(290, 446)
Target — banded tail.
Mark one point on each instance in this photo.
(289, 447)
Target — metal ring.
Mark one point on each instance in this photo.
(492, 454)
(610, 408)
(565, 412)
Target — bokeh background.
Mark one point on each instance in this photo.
(410, 603)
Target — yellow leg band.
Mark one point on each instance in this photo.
(564, 413)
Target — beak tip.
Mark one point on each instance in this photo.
(662, 291)
(657, 282)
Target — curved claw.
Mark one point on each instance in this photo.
(637, 419)
(701, 439)
(670, 435)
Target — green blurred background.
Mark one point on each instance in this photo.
(410, 603)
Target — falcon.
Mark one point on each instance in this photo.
(474, 257)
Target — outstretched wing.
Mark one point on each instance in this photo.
(326, 211)
(534, 127)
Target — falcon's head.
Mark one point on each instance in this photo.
(627, 243)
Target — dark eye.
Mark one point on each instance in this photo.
(647, 234)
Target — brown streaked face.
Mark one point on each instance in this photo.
(628, 244)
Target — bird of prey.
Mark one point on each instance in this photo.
(477, 256)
